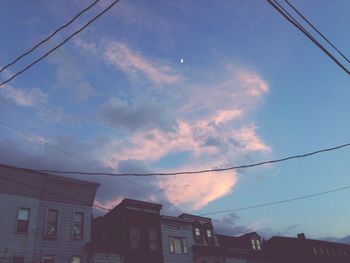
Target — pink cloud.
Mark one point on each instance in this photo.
(132, 62)
(198, 190)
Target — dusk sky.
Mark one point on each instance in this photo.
(164, 86)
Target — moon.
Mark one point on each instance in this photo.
(182, 60)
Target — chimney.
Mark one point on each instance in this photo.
(301, 236)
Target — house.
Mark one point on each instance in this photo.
(301, 249)
(129, 233)
(246, 248)
(206, 247)
(44, 218)
(177, 239)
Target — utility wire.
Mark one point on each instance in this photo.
(50, 192)
(279, 202)
(59, 45)
(206, 170)
(314, 28)
(294, 22)
(91, 164)
(49, 37)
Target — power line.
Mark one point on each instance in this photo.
(91, 164)
(59, 45)
(279, 202)
(314, 28)
(206, 170)
(50, 192)
(294, 22)
(48, 37)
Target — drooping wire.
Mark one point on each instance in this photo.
(59, 45)
(48, 37)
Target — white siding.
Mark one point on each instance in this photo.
(176, 229)
(14, 243)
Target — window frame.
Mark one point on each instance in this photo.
(77, 256)
(184, 245)
(132, 238)
(155, 241)
(27, 221)
(74, 225)
(46, 235)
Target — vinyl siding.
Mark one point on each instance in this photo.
(14, 243)
(176, 229)
(63, 247)
(106, 258)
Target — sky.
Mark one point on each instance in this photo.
(165, 86)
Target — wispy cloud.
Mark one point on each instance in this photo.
(132, 63)
(20, 97)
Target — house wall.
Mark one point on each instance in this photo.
(12, 243)
(106, 258)
(176, 229)
(64, 246)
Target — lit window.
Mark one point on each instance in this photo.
(78, 225)
(17, 259)
(135, 238)
(51, 223)
(153, 239)
(197, 231)
(258, 244)
(23, 220)
(48, 259)
(76, 259)
(178, 245)
(253, 244)
(209, 233)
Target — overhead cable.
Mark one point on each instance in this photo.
(48, 37)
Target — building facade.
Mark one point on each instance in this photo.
(45, 218)
(177, 239)
(129, 233)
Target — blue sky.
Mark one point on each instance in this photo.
(250, 88)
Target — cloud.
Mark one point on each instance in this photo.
(140, 114)
(198, 190)
(133, 63)
(20, 97)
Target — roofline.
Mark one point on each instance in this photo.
(195, 216)
(174, 218)
(308, 239)
(51, 175)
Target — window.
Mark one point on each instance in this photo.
(76, 259)
(253, 244)
(135, 238)
(209, 233)
(17, 259)
(178, 245)
(315, 251)
(51, 223)
(48, 259)
(23, 220)
(153, 240)
(197, 233)
(256, 244)
(78, 225)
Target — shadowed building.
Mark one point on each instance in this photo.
(129, 233)
(301, 249)
(206, 247)
(44, 218)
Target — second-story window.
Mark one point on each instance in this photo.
(197, 234)
(153, 239)
(48, 259)
(51, 223)
(78, 225)
(135, 238)
(23, 220)
(178, 245)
